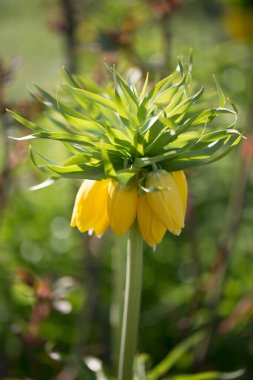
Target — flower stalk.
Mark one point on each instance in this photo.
(132, 300)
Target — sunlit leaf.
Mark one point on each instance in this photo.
(222, 97)
(98, 99)
(119, 134)
(27, 123)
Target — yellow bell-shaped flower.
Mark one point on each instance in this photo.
(90, 209)
(151, 227)
(122, 205)
(168, 202)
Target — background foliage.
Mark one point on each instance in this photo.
(56, 290)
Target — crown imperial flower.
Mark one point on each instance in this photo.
(131, 144)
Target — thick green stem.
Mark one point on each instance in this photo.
(131, 304)
(119, 266)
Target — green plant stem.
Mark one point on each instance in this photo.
(119, 266)
(131, 304)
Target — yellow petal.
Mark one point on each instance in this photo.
(84, 188)
(167, 204)
(157, 204)
(151, 228)
(101, 222)
(144, 216)
(175, 229)
(90, 210)
(181, 182)
(157, 229)
(122, 204)
(86, 209)
(150, 241)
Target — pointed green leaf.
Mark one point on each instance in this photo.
(211, 375)
(162, 85)
(91, 96)
(202, 156)
(148, 124)
(108, 166)
(129, 94)
(146, 161)
(78, 139)
(85, 125)
(58, 106)
(190, 60)
(125, 176)
(42, 185)
(144, 88)
(181, 66)
(222, 97)
(184, 105)
(26, 123)
(172, 358)
(71, 80)
(232, 105)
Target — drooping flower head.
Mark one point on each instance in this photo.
(130, 144)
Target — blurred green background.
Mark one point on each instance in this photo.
(57, 286)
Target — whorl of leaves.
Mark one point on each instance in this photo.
(123, 129)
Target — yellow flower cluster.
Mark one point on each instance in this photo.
(100, 204)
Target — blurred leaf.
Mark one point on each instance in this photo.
(86, 371)
(174, 356)
(141, 362)
(212, 375)
(23, 294)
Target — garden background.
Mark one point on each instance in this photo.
(58, 299)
